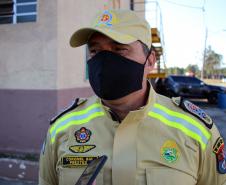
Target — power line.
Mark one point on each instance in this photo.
(203, 6)
(187, 6)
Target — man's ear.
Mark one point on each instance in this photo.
(151, 60)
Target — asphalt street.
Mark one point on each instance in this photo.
(218, 115)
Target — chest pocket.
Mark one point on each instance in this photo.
(168, 176)
(69, 176)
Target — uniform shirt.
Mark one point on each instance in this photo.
(159, 144)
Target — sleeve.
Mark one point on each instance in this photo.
(47, 162)
(213, 161)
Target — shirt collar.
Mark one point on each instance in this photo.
(140, 113)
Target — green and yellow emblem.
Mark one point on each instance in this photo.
(170, 151)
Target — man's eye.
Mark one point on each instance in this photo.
(121, 51)
(92, 52)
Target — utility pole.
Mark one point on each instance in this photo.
(204, 54)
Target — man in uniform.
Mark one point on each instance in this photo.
(149, 139)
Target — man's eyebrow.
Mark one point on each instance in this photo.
(120, 44)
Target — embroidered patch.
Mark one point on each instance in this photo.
(218, 149)
(82, 135)
(199, 113)
(81, 148)
(170, 151)
(107, 18)
(76, 161)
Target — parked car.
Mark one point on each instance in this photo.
(188, 87)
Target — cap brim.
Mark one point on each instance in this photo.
(82, 36)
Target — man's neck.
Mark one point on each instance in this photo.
(129, 103)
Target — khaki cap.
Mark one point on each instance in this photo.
(123, 26)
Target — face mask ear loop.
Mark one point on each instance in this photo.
(149, 53)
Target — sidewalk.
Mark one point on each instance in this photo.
(18, 172)
(15, 182)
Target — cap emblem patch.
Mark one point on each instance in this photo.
(106, 19)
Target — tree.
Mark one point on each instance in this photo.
(175, 71)
(192, 69)
(212, 64)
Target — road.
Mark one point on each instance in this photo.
(218, 115)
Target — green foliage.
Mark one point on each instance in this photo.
(223, 71)
(194, 69)
(175, 71)
(212, 64)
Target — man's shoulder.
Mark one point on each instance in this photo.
(194, 110)
(77, 105)
(189, 119)
(187, 109)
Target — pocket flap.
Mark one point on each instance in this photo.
(168, 176)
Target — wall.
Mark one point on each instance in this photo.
(40, 74)
(27, 80)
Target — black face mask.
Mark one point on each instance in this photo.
(113, 76)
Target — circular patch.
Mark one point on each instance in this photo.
(82, 135)
(170, 151)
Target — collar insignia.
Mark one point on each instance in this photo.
(176, 100)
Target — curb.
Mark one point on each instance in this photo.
(19, 169)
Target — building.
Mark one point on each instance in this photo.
(39, 72)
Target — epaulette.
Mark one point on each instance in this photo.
(75, 103)
(194, 110)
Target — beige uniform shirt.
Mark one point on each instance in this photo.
(160, 144)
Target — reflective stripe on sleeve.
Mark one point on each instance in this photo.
(75, 118)
(180, 121)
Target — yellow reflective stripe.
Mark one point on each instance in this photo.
(76, 122)
(178, 126)
(95, 105)
(185, 117)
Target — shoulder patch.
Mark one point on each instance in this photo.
(218, 149)
(194, 110)
(75, 103)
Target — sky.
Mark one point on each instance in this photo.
(185, 24)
